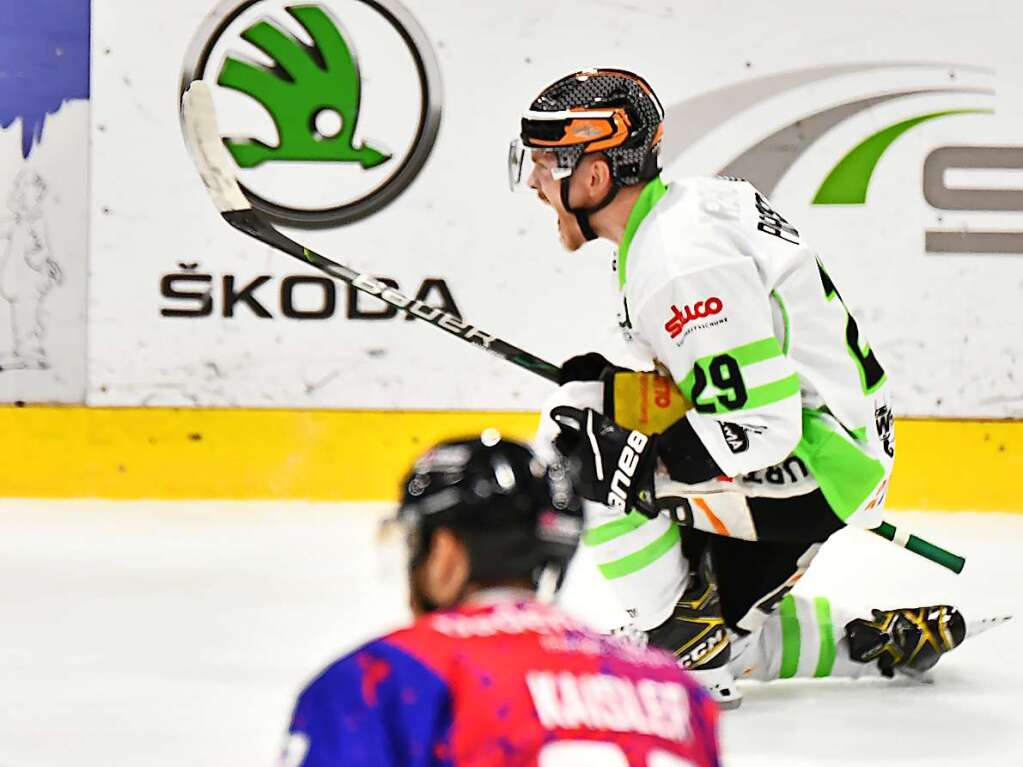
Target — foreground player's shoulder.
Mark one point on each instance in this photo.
(375, 665)
(378, 699)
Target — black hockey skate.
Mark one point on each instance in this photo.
(697, 636)
(909, 640)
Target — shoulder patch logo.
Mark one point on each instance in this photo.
(884, 421)
(735, 436)
(681, 317)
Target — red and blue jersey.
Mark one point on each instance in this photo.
(502, 682)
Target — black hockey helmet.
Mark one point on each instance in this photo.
(611, 111)
(514, 515)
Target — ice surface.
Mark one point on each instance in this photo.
(162, 633)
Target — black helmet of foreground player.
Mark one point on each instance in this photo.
(484, 512)
(610, 113)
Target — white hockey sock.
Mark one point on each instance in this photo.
(803, 637)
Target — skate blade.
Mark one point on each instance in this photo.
(729, 704)
(720, 683)
(973, 628)
(915, 677)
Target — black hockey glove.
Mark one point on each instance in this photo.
(585, 367)
(611, 465)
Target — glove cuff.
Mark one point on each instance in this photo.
(684, 455)
(584, 367)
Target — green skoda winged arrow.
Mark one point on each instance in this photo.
(304, 82)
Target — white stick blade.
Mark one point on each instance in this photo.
(983, 624)
(211, 158)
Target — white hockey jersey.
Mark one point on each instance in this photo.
(725, 296)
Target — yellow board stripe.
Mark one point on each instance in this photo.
(957, 465)
(63, 452)
(67, 452)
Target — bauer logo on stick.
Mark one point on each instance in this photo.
(329, 109)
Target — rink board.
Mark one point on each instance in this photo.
(898, 161)
(362, 455)
(206, 317)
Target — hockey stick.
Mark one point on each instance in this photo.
(211, 158)
(907, 540)
(199, 123)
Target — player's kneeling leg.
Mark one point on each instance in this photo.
(696, 633)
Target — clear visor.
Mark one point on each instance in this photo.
(521, 166)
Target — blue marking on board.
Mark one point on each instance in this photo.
(44, 62)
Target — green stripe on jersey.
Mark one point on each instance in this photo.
(758, 396)
(847, 475)
(768, 394)
(651, 193)
(748, 354)
(615, 529)
(785, 319)
(789, 638)
(826, 659)
(638, 560)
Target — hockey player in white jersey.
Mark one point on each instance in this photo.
(788, 434)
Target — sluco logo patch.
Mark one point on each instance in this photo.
(682, 317)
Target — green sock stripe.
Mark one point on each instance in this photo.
(826, 659)
(640, 559)
(616, 529)
(789, 638)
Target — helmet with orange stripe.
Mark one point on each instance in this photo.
(607, 111)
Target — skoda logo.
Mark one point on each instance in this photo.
(328, 108)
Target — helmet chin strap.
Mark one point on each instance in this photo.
(582, 215)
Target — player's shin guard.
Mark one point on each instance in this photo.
(908, 640)
(696, 634)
